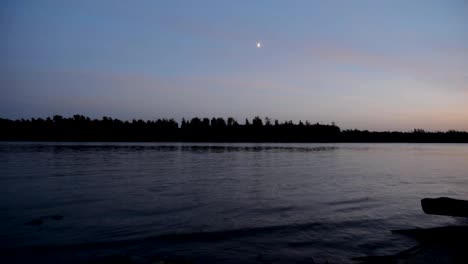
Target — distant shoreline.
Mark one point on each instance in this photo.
(223, 142)
(204, 130)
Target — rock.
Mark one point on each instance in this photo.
(445, 206)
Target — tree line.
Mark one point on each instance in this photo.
(82, 128)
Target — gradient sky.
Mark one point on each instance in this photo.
(378, 65)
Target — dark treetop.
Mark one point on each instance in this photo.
(81, 128)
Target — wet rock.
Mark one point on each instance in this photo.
(445, 206)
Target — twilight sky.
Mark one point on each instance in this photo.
(378, 65)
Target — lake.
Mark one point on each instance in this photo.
(230, 203)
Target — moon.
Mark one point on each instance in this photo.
(259, 45)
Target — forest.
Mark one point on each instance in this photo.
(82, 128)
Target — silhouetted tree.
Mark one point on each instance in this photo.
(183, 124)
(206, 123)
(231, 122)
(257, 122)
(82, 128)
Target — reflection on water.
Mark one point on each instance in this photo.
(38, 147)
(221, 202)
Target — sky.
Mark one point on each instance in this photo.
(377, 65)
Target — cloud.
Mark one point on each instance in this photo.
(447, 71)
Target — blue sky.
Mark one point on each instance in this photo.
(379, 65)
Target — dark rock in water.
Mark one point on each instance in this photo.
(56, 217)
(395, 258)
(448, 244)
(436, 245)
(447, 235)
(35, 222)
(445, 206)
(440, 254)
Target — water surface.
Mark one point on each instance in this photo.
(254, 203)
